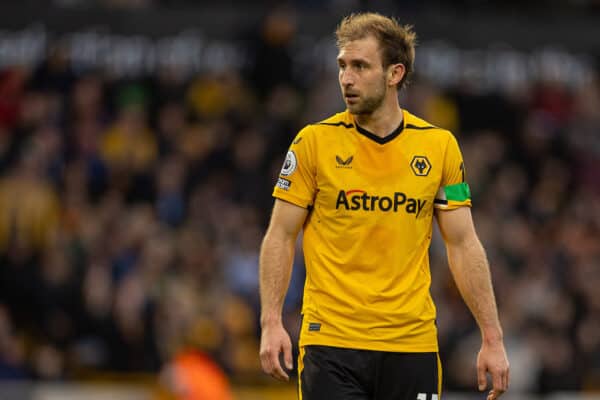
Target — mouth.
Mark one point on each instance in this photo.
(351, 97)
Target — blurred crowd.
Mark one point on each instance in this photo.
(131, 215)
(533, 163)
(583, 5)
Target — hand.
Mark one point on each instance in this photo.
(492, 359)
(274, 339)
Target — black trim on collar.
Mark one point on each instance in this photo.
(345, 125)
(378, 139)
(411, 126)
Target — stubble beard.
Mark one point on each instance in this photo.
(369, 104)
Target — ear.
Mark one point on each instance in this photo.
(395, 74)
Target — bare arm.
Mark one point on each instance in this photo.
(275, 267)
(470, 269)
(471, 273)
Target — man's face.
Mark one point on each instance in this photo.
(361, 75)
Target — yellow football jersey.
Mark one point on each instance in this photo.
(367, 235)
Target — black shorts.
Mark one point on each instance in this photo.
(333, 373)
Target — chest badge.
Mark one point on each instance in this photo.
(420, 166)
(341, 163)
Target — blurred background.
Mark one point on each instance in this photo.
(140, 141)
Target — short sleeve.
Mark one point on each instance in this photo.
(297, 179)
(453, 192)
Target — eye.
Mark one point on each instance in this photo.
(360, 66)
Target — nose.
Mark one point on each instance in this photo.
(346, 77)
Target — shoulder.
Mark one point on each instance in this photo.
(426, 129)
(339, 120)
(321, 129)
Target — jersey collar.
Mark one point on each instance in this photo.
(382, 140)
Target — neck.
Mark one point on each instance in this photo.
(383, 120)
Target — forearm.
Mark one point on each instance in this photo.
(471, 272)
(275, 269)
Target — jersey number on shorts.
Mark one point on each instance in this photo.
(423, 396)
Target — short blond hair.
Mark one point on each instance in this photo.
(397, 42)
